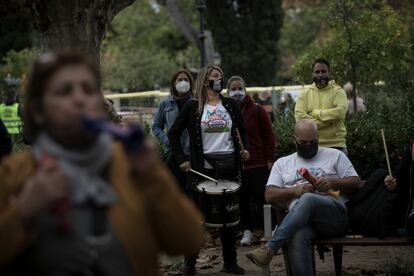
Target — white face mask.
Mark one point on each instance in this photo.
(283, 97)
(237, 94)
(182, 87)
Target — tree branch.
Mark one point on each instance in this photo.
(182, 22)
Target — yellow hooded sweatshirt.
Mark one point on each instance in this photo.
(327, 107)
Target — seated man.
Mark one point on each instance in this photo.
(312, 214)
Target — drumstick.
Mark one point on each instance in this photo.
(312, 180)
(203, 175)
(239, 137)
(386, 152)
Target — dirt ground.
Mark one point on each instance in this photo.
(356, 261)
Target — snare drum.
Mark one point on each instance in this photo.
(219, 202)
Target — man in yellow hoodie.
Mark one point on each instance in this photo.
(325, 102)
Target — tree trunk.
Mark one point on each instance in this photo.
(74, 23)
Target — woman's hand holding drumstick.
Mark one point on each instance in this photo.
(245, 155)
(186, 167)
(203, 175)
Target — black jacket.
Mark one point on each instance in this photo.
(189, 118)
(404, 187)
(5, 141)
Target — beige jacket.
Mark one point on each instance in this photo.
(151, 215)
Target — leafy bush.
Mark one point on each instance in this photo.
(283, 128)
(16, 64)
(389, 111)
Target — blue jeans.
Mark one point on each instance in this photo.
(313, 216)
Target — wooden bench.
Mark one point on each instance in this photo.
(337, 244)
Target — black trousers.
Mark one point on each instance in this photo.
(252, 197)
(227, 234)
(179, 175)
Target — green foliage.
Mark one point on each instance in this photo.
(247, 37)
(389, 109)
(16, 30)
(381, 52)
(138, 69)
(368, 31)
(16, 64)
(143, 49)
(305, 20)
(283, 127)
(298, 20)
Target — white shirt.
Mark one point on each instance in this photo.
(327, 162)
(216, 126)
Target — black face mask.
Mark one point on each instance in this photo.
(321, 82)
(216, 85)
(307, 150)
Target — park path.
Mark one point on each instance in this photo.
(373, 260)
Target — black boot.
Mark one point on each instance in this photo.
(233, 269)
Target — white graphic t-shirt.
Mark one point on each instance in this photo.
(327, 162)
(216, 130)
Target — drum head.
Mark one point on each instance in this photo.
(211, 187)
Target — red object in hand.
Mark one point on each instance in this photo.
(312, 180)
(306, 174)
(62, 207)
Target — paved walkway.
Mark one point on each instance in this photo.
(356, 261)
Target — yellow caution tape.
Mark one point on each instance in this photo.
(158, 93)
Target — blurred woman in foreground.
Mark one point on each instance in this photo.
(77, 203)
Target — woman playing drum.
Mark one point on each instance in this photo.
(212, 122)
